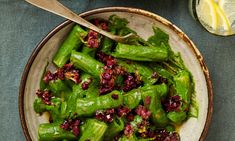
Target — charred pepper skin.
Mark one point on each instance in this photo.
(72, 42)
(141, 53)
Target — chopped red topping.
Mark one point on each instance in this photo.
(45, 96)
(48, 77)
(130, 82)
(172, 103)
(163, 135)
(104, 26)
(73, 75)
(67, 71)
(130, 117)
(123, 111)
(154, 75)
(162, 80)
(116, 138)
(111, 72)
(86, 84)
(108, 60)
(143, 112)
(147, 100)
(115, 96)
(71, 125)
(128, 130)
(106, 116)
(93, 39)
(95, 22)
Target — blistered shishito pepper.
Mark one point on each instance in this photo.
(88, 87)
(88, 50)
(57, 109)
(130, 138)
(134, 97)
(87, 63)
(94, 130)
(139, 69)
(40, 106)
(161, 71)
(107, 43)
(152, 100)
(72, 42)
(114, 129)
(183, 86)
(88, 106)
(57, 87)
(141, 53)
(53, 132)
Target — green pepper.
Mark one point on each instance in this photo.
(114, 129)
(72, 42)
(88, 50)
(53, 132)
(160, 89)
(43, 85)
(130, 138)
(94, 130)
(183, 86)
(141, 53)
(91, 91)
(134, 97)
(161, 71)
(107, 43)
(158, 115)
(57, 109)
(57, 87)
(87, 64)
(139, 69)
(40, 106)
(88, 106)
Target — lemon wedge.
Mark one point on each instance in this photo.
(223, 23)
(206, 11)
(228, 7)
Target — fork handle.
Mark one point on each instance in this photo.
(57, 8)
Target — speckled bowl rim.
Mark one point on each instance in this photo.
(118, 9)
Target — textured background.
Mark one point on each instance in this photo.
(22, 26)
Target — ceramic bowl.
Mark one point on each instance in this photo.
(140, 21)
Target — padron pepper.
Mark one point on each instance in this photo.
(72, 42)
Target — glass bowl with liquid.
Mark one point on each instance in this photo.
(216, 16)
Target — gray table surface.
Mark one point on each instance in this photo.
(22, 26)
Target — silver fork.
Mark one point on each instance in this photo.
(57, 8)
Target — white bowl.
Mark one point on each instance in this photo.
(140, 21)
